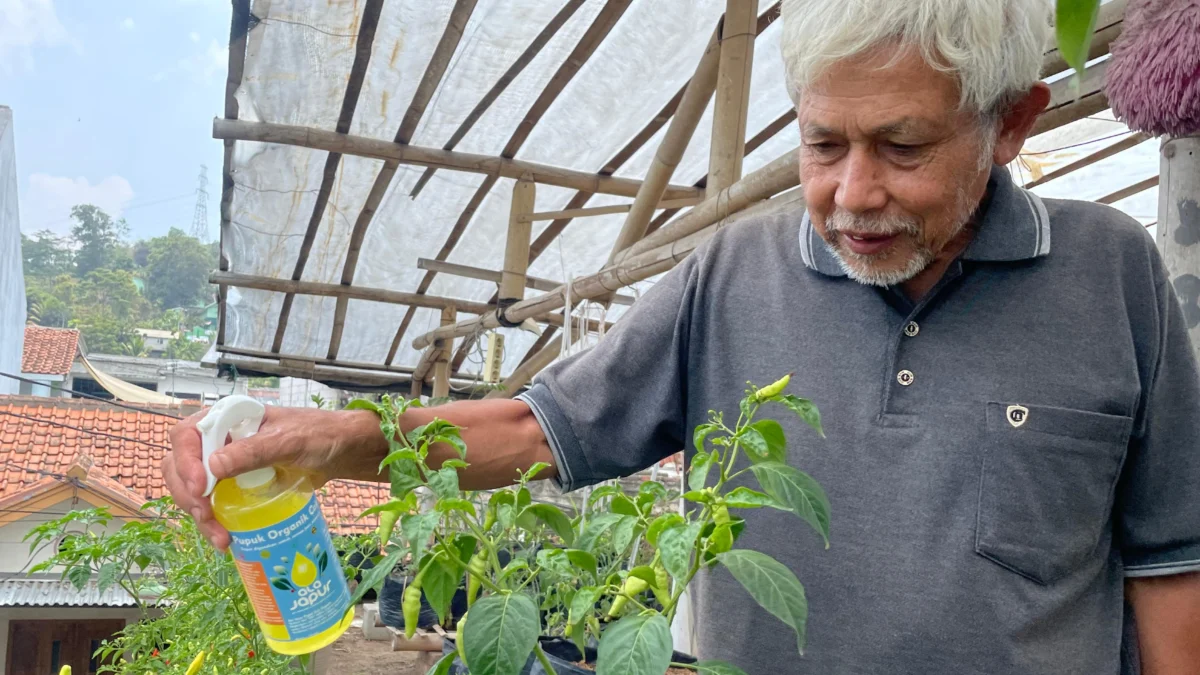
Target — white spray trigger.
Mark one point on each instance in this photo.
(235, 416)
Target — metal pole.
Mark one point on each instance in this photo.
(1179, 225)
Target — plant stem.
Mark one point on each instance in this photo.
(541, 657)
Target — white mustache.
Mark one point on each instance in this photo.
(884, 224)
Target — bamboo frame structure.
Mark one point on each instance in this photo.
(662, 224)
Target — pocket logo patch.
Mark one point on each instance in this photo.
(1017, 414)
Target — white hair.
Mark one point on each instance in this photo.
(994, 47)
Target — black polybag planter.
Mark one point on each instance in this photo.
(392, 594)
(562, 654)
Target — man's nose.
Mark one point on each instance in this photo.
(860, 186)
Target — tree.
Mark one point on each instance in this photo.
(45, 254)
(177, 269)
(180, 347)
(106, 334)
(114, 290)
(98, 238)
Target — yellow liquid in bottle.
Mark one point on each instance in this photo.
(242, 510)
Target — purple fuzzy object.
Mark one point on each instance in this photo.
(1154, 78)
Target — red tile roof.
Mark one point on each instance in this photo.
(133, 461)
(49, 351)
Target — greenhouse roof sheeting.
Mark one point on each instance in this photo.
(586, 86)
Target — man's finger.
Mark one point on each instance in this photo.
(188, 455)
(256, 452)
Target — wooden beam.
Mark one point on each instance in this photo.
(434, 73)
(345, 144)
(1127, 192)
(779, 175)
(536, 283)
(732, 98)
(353, 365)
(1179, 166)
(608, 210)
(1101, 154)
(528, 368)
(540, 343)
(441, 367)
(358, 71)
(516, 246)
(534, 48)
(696, 95)
(1065, 107)
(353, 292)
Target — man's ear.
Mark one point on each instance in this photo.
(1018, 122)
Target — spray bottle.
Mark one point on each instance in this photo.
(281, 544)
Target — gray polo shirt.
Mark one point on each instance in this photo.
(1000, 455)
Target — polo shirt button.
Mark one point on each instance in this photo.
(911, 329)
(905, 377)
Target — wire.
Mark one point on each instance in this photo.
(91, 396)
(18, 467)
(1080, 144)
(81, 429)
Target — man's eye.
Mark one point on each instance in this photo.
(823, 146)
(903, 150)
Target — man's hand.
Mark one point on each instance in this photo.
(327, 444)
(503, 438)
(1167, 609)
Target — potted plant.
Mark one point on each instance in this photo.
(610, 582)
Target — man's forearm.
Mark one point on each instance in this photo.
(1168, 622)
(502, 437)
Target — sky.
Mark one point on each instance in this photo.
(113, 104)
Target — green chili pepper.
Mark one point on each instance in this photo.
(632, 586)
(458, 638)
(662, 589)
(721, 515)
(489, 520)
(772, 390)
(387, 522)
(475, 571)
(411, 606)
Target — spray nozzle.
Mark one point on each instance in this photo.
(237, 417)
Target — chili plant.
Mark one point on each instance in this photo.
(594, 578)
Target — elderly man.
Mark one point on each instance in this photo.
(1007, 385)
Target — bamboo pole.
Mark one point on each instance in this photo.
(516, 247)
(1101, 154)
(762, 184)
(1127, 192)
(536, 283)
(733, 94)
(1178, 231)
(781, 174)
(525, 372)
(441, 367)
(679, 133)
(345, 144)
(608, 210)
(337, 290)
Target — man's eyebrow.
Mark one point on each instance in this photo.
(899, 127)
(811, 129)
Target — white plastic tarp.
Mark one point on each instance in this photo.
(298, 61)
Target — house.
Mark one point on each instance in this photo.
(59, 454)
(156, 341)
(181, 379)
(46, 357)
(12, 278)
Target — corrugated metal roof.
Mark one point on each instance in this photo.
(54, 592)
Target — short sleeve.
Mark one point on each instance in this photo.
(619, 407)
(1158, 498)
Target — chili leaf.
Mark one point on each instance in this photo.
(596, 528)
(582, 559)
(745, 498)
(109, 572)
(448, 505)
(635, 645)
(772, 586)
(406, 504)
(624, 532)
(439, 583)
(602, 492)
(622, 505)
(702, 433)
(661, 523)
(442, 667)
(773, 446)
(698, 470)
(805, 409)
(555, 519)
(444, 483)
(675, 544)
(1074, 23)
(581, 608)
(79, 576)
(501, 634)
(373, 578)
(798, 491)
(417, 529)
(404, 478)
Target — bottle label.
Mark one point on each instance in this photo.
(292, 575)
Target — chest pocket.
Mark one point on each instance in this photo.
(1046, 490)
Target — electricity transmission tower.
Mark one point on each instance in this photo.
(200, 215)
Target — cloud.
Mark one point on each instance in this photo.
(25, 24)
(46, 204)
(127, 24)
(194, 36)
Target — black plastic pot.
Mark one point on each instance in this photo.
(562, 654)
(392, 594)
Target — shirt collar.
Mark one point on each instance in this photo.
(1014, 226)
